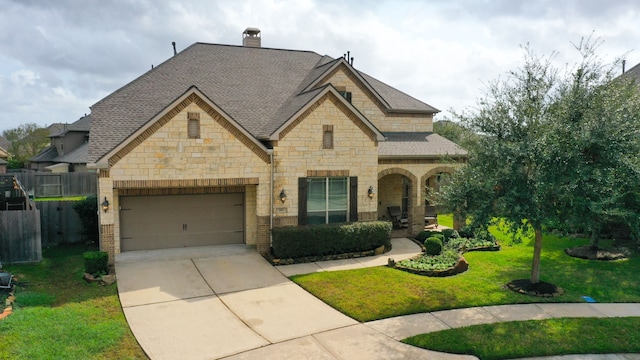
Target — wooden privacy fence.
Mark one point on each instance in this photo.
(20, 239)
(60, 223)
(59, 184)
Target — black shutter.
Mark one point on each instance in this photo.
(303, 185)
(353, 199)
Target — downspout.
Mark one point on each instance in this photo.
(271, 157)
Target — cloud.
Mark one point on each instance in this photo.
(57, 58)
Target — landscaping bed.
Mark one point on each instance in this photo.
(604, 254)
(443, 252)
(307, 259)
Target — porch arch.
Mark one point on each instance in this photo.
(414, 220)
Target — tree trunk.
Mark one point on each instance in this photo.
(537, 249)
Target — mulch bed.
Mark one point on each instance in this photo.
(540, 289)
(587, 252)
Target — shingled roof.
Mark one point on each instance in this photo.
(418, 144)
(259, 88)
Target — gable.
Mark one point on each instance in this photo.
(177, 108)
(374, 107)
(168, 153)
(322, 95)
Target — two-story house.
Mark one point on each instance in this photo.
(220, 143)
(68, 151)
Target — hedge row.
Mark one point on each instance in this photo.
(321, 240)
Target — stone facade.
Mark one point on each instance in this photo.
(368, 105)
(300, 153)
(163, 159)
(169, 159)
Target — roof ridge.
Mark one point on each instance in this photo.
(255, 47)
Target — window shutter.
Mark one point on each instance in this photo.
(353, 199)
(302, 201)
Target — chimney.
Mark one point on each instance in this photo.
(251, 37)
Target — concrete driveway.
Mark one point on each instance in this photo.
(220, 301)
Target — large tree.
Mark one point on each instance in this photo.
(27, 141)
(593, 146)
(542, 159)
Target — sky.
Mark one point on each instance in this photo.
(59, 57)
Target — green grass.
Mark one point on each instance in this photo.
(537, 338)
(445, 220)
(381, 292)
(68, 198)
(57, 315)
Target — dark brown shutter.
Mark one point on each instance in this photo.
(303, 185)
(353, 199)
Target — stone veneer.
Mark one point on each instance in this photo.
(163, 159)
(299, 153)
(373, 110)
(168, 159)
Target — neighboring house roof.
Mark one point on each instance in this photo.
(416, 144)
(634, 73)
(46, 155)
(3, 153)
(259, 88)
(83, 124)
(4, 143)
(77, 156)
(55, 128)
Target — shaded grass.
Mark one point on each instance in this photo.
(57, 315)
(381, 292)
(511, 340)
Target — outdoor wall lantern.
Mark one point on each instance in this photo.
(105, 204)
(283, 196)
(371, 192)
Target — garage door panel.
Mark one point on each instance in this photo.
(156, 222)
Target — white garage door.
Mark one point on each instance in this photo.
(161, 222)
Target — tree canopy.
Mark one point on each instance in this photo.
(555, 147)
(27, 141)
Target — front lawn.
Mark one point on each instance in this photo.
(517, 339)
(381, 292)
(57, 315)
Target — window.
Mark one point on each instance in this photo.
(193, 125)
(343, 91)
(326, 200)
(346, 95)
(327, 137)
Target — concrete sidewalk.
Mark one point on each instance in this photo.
(402, 327)
(229, 302)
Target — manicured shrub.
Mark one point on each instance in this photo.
(466, 232)
(449, 234)
(423, 235)
(96, 262)
(433, 246)
(320, 240)
(438, 235)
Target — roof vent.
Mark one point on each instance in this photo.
(251, 37)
